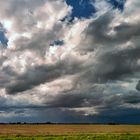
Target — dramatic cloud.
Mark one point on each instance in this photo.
(83, 66)
(138, 86)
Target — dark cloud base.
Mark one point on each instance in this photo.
(124, 116)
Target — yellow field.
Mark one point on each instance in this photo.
(34, 130)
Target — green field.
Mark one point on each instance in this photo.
(77, 137)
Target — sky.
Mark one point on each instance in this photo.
(70, 61)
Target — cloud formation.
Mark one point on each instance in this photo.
(86, 69)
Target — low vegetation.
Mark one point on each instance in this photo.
(77, 137)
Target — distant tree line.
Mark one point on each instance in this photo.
(37, 123)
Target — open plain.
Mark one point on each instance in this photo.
(69, 132)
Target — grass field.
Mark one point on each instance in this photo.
(77, 137)
(69, 132)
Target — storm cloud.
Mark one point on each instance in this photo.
(85, 69)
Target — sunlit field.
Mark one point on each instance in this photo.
(70, 132)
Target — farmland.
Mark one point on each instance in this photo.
(70, 132)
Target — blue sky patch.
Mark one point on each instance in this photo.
(3, 39)
(119, 4)
(81, 8)
(84, 8)
(57, 42)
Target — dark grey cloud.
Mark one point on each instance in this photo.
(76, 98)
(4, 79)
(127, 31)
(2, 59)
(97, 34)
(9, 71)
(119, 64)
(138, 86)
(116, 65)
(33, 77)
(132, 98)
(44, 73)
(110, 106)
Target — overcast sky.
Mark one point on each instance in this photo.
(70, 61)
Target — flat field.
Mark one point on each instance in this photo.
(37, 130)
(70, 132)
